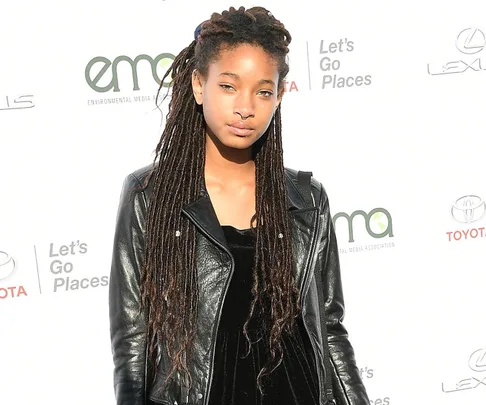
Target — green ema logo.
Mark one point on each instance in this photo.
(378, 222)
(94, 75)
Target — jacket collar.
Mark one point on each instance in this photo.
(201, 210)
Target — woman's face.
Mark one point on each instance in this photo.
(239, 95)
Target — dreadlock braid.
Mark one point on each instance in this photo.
(169, 286)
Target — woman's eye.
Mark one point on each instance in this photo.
(266, 94)
(226, 87)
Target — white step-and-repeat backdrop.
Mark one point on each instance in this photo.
(385, 104)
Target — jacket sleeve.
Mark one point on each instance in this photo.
(127, 327)
(347, 384)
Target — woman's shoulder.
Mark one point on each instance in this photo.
(136, 189)
(141, 174)
(317, 187)
(138, 180)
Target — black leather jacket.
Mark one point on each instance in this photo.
(315, 255)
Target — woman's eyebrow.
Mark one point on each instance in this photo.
(236, 77)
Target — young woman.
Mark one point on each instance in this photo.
(225, 273)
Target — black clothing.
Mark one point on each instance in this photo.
(294, 382)
(314, 255)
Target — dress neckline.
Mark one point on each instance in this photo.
(239, 236)
(236, 229)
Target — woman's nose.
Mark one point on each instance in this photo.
(244, 106)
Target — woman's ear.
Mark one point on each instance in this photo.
(197, 86)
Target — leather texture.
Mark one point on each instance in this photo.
(315, 254)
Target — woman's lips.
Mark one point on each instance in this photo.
(240, 131)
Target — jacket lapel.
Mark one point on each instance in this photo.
(303, 223)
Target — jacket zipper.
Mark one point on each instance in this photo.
(218, 316)
(304, 285)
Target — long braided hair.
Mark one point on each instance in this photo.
(169, 288)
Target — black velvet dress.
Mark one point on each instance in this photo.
(294, 382)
